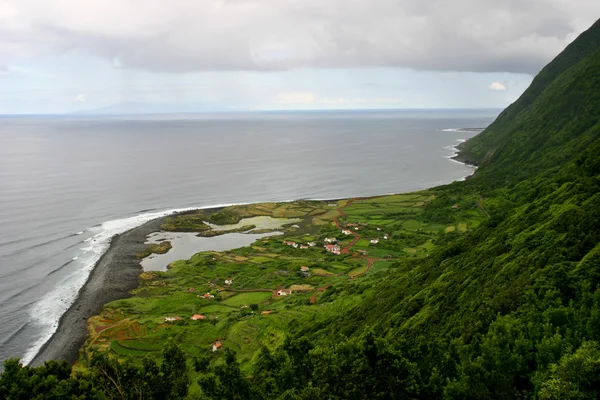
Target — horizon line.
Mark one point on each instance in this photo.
(92, 113)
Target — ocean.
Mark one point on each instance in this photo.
(69, 183)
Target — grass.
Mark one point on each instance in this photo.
(357, 271)
(246, 298)
(155, 248)
(136, 326)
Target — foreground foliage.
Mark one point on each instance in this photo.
(107, 378)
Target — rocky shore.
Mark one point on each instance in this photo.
(113, 277)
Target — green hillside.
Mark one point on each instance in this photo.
(487, 288)
(535, 132)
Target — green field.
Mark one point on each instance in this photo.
(246, 298)
(136, 326)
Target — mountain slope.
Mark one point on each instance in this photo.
(542, 129)
(509, 310)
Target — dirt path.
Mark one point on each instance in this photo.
(346, 250)
(370, 262)
(313, 299)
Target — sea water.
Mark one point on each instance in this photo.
(69, 183)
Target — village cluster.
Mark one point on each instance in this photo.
(331, 244)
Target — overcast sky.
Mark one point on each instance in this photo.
(66, 55)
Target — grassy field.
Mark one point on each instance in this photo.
(247, 314)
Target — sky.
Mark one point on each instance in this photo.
(65, 56)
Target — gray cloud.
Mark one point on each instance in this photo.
(188, 35)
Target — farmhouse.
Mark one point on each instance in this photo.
(374, 241)
(197, 317)
(346, 232)
(283, 292)
(304, 268)
(333, 248)
(216, 346)
(229, 281)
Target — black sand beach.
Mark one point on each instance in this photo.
(113, 277)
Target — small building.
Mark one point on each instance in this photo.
(170, 319)
(333, 249)
(304, 268)
(191, 290)
(283, 292)
(208, 296)
(374, 241)
(386, 236)
(378, 228)
(331, 240)
(303, 247)
(266, 312)
(356, 228)
(289, 243)
(228, 281)
(295, 245)
(197, 317)
(362, 252)
(216, 346)
(346, 232)
(311, 244)
(456, 206)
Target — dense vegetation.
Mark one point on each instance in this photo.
(507, 307)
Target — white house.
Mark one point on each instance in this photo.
(333, 249)
(374, 241)
(346, 232)
(228, 281)
(283, 292)
(330, 240)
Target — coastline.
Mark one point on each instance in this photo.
(460, 157)
(112, 278)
